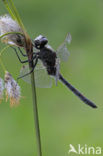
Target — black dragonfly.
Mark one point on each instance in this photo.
(47, 66)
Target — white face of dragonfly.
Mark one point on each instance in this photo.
(40, 41)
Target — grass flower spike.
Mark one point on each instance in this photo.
(12, 89)
(1, 89)
(10, 31)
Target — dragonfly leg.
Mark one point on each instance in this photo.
(25, 55)
(22, 52)
(20, 58)
(36, 61)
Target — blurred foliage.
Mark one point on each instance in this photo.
(64, 119)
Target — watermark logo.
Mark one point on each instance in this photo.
(88, 150)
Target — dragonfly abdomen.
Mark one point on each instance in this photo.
(76, 92)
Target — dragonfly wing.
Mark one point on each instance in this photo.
(62, 51)
(24, 70)
(42, 79)
(68, 38)
(57, 70)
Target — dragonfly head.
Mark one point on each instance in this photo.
(40, 42)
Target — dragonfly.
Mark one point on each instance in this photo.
(47, 66)
(44, 62)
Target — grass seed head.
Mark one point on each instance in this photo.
(8, 25)
(12, 90)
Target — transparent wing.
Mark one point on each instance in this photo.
(68, 38)
(42, 79)
(23, 71)
(57, 70)
(62, 51)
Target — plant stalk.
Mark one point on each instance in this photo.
(36, 119)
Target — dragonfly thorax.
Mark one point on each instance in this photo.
(48, 58)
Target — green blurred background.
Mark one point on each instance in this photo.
(64, 119)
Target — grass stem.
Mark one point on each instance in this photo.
(36, 119)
